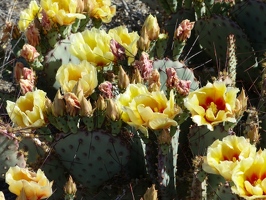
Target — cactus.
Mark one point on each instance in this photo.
(53, 60)
(213, 33)
(86, 156)
(10, 154)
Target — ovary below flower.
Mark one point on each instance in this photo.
(36, 186)
(249, 177)
(92, 45)
(62, 12)
(223, 156)
(69, 74)
(212, 104)
(28, 110)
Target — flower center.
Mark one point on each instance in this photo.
(213, 107)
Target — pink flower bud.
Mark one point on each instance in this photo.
(29, 52)
(33, 35)
(106, 89)
(183, 31)
(144, 65)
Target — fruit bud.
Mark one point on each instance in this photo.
(136, 77)
(85, 108)
(70, 187)
(58, 105)
(152, 27)
(144, 41)
(112, 110)
(101, 104)
(123, 79)
(72, 103)
(154, 81)
(29, 52)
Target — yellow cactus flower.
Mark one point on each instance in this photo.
(223, 156)
(249, 177)
(128, 40)
(28, 15)
(28, 110)
(92, 45)
(69, 74)
(143, 109)
(2, 196)
(62, 12)
(100, 9)
(36, 185)
(212, 104)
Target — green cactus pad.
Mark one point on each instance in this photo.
(183, 72)
(251, 17)
(200, 138)
(213, 33)
(53, 60)
(10, 156)
(92, 157)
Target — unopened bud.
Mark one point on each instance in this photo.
(58, 105)
(123, 79)
(101, 104)
(144, 41)
(136, 77)
(85, 108)
(152, 27)
(70, 187)
(29, 52)
(80, 6)
(72, 103)
(112, 110)
(154, 81)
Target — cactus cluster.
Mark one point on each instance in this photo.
(108, 111)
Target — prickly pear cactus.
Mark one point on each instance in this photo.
(53, 60)
(213, 33)
(183, 72)
(10, 155)
(92, 157)
(250, 15)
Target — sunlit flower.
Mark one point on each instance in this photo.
(249, 177)
(36, 185)
(212, 104)
(223, 156)
(62, 12)
(92, 45)
(29, 52)
(143, 109)
(100, 9)
(28, 110)
(126, 39)
(69, 74)
(28, 15)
